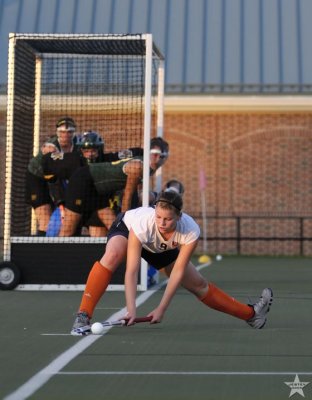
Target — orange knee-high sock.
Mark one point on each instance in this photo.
(98, 280)
(220, 301)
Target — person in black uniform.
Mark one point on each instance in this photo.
(37, 188)
(58, 169)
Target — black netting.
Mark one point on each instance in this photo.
(97, 81)
(23, 123)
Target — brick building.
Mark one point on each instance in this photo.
(258, 163)
(257, 160)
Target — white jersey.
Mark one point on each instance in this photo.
(142, 222)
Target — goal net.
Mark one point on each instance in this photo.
(111, 85)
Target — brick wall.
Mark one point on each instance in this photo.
(257, 164)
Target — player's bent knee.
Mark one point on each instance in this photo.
(112, 258)
(199, 287)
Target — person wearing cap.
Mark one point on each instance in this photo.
(167, 238)
(37, 188)
(90, 187)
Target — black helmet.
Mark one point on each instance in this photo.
(91, 140)
(174, 186)
(68, 122)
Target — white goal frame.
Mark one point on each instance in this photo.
(151, 51)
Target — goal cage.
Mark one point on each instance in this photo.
(109, 84)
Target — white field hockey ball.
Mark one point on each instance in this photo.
(97, 328)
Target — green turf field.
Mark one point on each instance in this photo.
(195, 353)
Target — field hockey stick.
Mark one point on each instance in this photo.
(98, 327)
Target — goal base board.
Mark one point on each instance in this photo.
(46, 265)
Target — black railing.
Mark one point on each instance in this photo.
(239, 237)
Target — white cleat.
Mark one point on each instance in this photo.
(262, 307)
(81, 325)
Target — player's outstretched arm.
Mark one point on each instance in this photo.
(131, 277)
(175, 279)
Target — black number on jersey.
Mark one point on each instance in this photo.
(163, 246)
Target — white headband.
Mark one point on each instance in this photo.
(155, 151)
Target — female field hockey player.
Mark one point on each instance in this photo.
(166, 238)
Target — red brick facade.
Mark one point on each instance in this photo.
(256, 165)
(258, 168)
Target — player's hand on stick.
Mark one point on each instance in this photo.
(157, 315)
(129, 318)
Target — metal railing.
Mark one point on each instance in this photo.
(301, 237)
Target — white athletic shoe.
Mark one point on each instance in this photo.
(81, 325)
(262, 307)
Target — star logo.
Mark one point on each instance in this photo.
(296, 386)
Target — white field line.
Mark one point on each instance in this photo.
(191, 373)
(43, 376)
